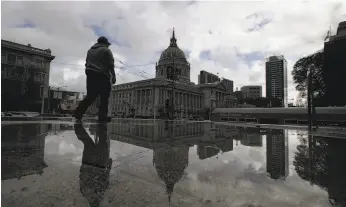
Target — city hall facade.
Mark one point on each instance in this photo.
(146, 98)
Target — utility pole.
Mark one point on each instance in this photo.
(172, 74)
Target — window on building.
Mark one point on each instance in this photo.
(43, 75)
(161, 71)
(39, 63)
(3, 57)
(20, 60)
(11, 58)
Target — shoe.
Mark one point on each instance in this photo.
(105, 119)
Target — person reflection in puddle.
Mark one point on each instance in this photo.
(96, 163)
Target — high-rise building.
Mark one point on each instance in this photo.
(206, 77)
(228, 84)
(251, 91)
(24, 76)
(334, 67)
(276, 79)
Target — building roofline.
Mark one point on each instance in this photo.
(27, 48)
(275, 58)
(335, 38)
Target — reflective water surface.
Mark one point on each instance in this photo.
(147, 163)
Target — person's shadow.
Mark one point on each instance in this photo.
(96, 163)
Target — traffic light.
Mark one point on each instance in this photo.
(167, 103)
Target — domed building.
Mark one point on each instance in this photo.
(170, 164)
(173, 55)
(146, 98)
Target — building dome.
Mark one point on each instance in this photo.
(173, 55)
(173, 52)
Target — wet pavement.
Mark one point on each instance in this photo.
(157, 163)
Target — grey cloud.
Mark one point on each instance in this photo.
(292, 32)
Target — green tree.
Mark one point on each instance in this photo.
(313, 62)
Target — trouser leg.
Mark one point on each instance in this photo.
(92, 94)
(104, 97)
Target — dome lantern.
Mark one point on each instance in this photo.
(173, 40)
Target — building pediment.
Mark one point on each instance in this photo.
(221, 86)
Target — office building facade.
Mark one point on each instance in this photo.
(206, 77)
(276, 79)
(251, 91)
(228, 84)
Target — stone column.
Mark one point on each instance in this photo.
(165, 95)
(195, 102)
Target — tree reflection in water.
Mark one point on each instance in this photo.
(322, 162)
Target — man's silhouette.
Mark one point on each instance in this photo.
(96, 163)
(99, 69)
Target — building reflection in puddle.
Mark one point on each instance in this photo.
(22, 148)
(318, 160)
(277, 153)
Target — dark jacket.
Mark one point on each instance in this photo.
(100, 59)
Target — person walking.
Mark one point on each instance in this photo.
(99, 69)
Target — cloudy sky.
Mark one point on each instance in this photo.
(232, 38)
